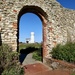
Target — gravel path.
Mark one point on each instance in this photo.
(29, 60)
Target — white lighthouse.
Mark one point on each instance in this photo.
(32, 37)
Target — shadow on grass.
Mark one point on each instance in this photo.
(25, 52)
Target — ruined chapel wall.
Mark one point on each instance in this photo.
(60, 26)
(8, 23)
(9, 10)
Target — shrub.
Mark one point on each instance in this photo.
(9, 64)
(37, 55)
(64, 52)
(13, 70)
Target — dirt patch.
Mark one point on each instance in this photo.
(58, 64)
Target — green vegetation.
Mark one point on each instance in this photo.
(9, 64)
(24, 45)
(37, 54)
(64, 52)
(73, 74)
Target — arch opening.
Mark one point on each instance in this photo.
(33, 9)
(43, 17)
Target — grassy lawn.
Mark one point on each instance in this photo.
(24, 45)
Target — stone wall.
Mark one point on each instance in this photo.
(60, 25)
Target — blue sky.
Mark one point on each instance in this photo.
(30, 22)
(67, 3)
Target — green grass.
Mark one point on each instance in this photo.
(73, 74)
(24, 45)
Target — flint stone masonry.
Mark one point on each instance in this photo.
(58, 22)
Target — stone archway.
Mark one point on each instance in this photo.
(43, 17)
(56, 26)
